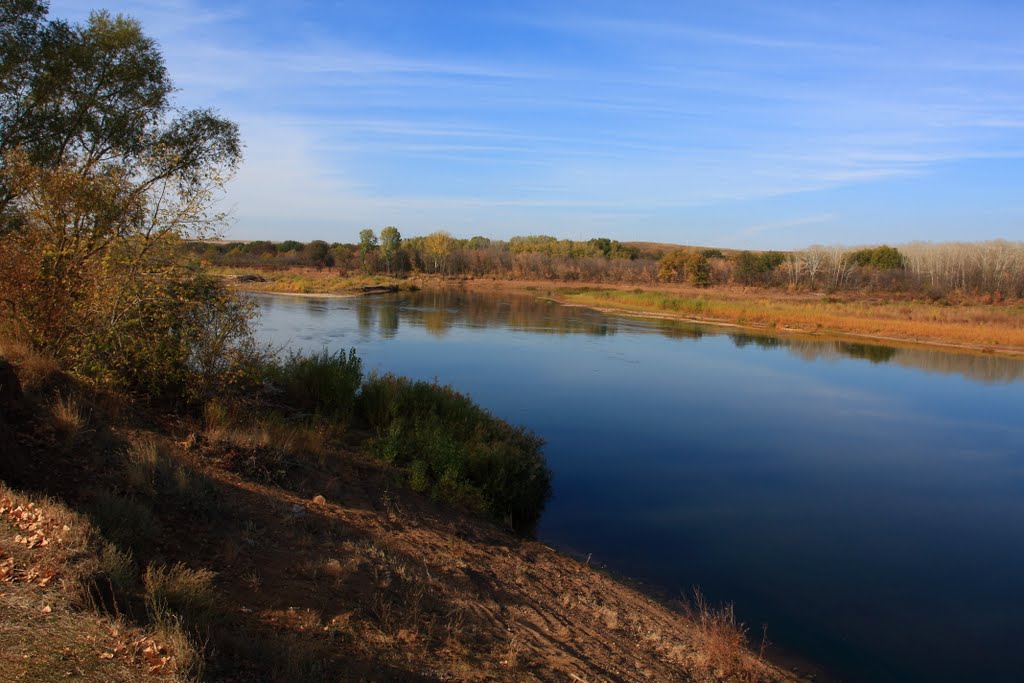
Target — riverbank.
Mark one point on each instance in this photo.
(153, 546)
(960, 324)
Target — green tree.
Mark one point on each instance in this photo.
(390, 243)
(289, 245)
(888, 258)
(750, 268)
(770, 260)
(367, 243)
(95, 97)
(100, 179)
(318, 253)
(700, 270)
(747, 268)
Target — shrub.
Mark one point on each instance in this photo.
(673, 266)
(750, 268)
(119, 568)
(456, 450)
(324, 384)
(180, 590)
(881, 258)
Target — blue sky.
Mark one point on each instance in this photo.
(738, 124)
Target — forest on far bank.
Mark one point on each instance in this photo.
(991, 269)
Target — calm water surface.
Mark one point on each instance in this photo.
(867, 503)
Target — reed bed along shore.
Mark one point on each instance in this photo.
(987, 327)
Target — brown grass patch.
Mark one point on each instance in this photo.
(723, 651)
(297, 280)
(50, 557)
(34, 369)
(995, 327)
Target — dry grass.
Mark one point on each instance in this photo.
(723, 649)
(47, 631)
(145, 465)
(226, 425)
(69, 417)
(180, 591)
(386, 585)
(309, 281)
(33, 368)
(999, 327)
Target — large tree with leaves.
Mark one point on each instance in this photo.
(390, 243)
(100, 175)
(367, 245)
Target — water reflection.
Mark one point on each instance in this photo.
(437, 312)
(316, 307)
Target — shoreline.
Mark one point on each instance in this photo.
(380, 579)
(820, 335)
(552, 294)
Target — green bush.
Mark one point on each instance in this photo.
(323, 384)
(881, 258)
(456, 450)
(750, 268)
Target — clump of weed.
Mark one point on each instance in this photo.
(264, 427)
(723, 638)
(146, 466)
(149, 471)
(456, 450)
(118, 567)
(323, 384)
(69, 417)
(181, 591)
(187, 656)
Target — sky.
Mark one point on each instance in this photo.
(741, 124)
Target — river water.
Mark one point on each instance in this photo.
(865, 502)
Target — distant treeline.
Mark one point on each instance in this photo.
(994, 268)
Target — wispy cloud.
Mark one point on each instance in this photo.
(630, 117)
(744, 236)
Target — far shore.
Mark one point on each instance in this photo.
(964, 326)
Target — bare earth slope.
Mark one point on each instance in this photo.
(327, 568)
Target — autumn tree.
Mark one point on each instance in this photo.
(672, 266)
(437, 246)
(101, 176)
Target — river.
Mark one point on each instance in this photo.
(865, 502)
